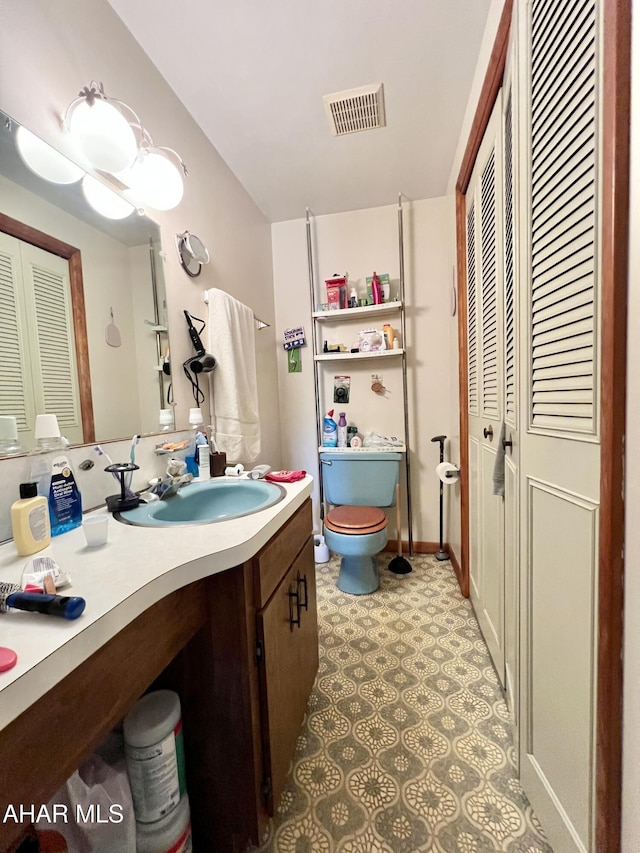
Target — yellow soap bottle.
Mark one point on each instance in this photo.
(30, 521)
(389, 334)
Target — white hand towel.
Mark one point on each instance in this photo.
(234, 381)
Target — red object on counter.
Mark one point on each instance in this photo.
(8, 658)
(285, 476)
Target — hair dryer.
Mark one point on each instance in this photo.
(202, 362)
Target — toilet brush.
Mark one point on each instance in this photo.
(441, 554)
(399, 565)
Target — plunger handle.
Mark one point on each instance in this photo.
(398, 520)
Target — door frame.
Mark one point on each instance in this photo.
(21, 231)
(616, 95)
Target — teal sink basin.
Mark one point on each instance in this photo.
(204, 503)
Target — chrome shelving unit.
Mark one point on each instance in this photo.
(387, 308)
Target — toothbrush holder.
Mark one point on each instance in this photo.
(118, 503)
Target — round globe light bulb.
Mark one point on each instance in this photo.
(105, 201)
(103, 135)
(156, 181)
(44, 160)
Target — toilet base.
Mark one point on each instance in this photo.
(358, 575)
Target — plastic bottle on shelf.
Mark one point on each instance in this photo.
(154, 752)
(376, 290)
(342, 430)
(329, 431)
(353, 298)
(191, 456)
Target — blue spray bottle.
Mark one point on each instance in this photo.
(329, 431)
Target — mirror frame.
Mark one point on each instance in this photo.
(41, 240)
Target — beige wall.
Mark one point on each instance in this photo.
(48, 52)
(358, 243)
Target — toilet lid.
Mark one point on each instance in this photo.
(356, 519)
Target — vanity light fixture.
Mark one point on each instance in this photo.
(105, 201)
(155, 180)
(112, 139)
(100, 130)
(44, 160)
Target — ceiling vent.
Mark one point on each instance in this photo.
(356, 109)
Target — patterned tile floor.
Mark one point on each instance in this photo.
(406, 746)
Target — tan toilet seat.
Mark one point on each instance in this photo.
(356, 520)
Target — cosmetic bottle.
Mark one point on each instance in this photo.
(342, 430)
(195, 422)
(52, 471)
(376, 290)
(30, 521)
(204, 466)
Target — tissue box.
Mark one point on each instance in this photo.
(336, 292)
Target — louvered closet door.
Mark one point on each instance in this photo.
(485, 348)
(39, 375)
(511, 400)
(559, 435)
(52, 338)
(16, 387)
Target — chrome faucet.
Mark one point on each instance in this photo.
(170, 486)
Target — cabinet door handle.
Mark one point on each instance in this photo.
(294, 595)
(305, 601)
(488, 432)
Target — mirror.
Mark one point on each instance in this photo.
(74, 283)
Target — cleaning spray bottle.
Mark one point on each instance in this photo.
(51, 470)
(342, 430)
(329, 431)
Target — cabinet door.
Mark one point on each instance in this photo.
(289, 666)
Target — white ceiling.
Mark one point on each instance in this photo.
(253, 73)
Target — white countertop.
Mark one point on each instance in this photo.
(120, 580)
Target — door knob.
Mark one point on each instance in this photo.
(506, 443)
(488, 432)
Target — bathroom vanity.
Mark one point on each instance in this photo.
(225, 614)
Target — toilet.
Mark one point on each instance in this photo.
(358, 484)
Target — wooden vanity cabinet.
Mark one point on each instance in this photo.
(243, 673)
(244, 681)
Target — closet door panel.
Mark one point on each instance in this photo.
(559, 378)
(16, 389)
(485, 338)
(475, 566)
(491, 607)
(561, 651)
(511, 591)
(511, 397)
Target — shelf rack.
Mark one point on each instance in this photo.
(321, 317)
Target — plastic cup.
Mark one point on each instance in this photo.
(95, 530)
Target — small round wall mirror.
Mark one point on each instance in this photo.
(192, 253)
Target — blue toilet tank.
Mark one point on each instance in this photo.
(360, 478)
